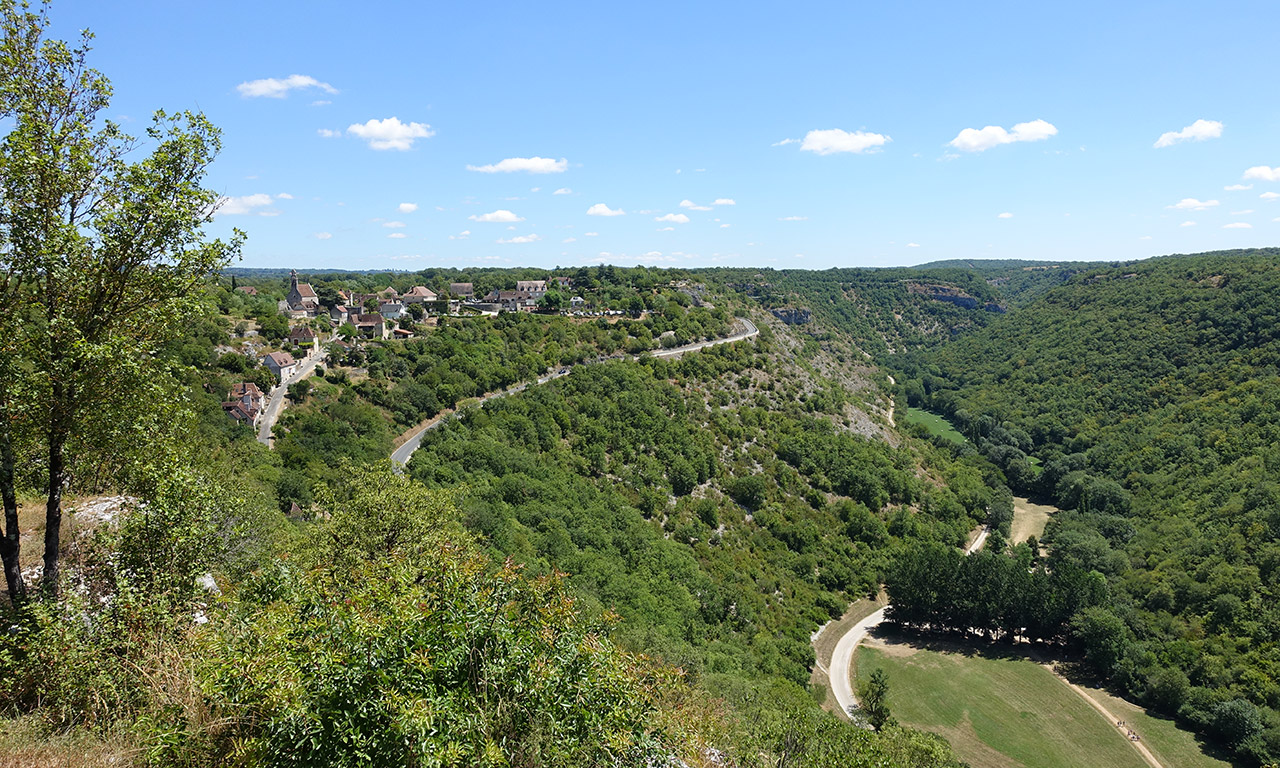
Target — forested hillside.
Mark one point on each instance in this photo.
(1150, 392)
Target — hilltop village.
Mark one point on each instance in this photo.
(277, 341)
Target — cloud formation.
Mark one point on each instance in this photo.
(563, 191)
(1269, 195)
(325, 133)
(239, 206)
(694, 206)
(676, 218)
(724, 201)
(1238, 225)
(323, 236)
(1192, 204)
(397, 235)
(600, 209)
(794, 218)
(501, 216)
(407, 207)
(390, 133)
(463, 235)
(278, 88)
(982, 139)
(524, 165)
(1263, 172)
(393, 224)
(1005, 215)
(520, 239)
(1237, 187)
(833, 141)
(1200, 130)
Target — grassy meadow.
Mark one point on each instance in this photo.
(997, 711)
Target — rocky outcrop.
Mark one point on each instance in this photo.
(793, 315)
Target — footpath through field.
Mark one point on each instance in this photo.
(410, 440)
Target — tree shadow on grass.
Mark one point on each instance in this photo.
(1067, 664)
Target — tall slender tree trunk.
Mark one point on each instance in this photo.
(53, 509)
(11, 542)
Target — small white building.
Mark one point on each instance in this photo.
(391, 310)
(281, 364)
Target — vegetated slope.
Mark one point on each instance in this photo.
(881, 311)
(721, 507)
(1152, 394)
(1019, 281)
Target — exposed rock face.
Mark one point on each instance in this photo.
(793, 315)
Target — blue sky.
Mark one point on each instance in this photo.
(844, 134)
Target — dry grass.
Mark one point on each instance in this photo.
(1028, 520)
(25, 744)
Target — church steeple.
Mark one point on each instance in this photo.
(293, 280)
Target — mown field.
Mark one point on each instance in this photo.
(998, 711)
(937, 426)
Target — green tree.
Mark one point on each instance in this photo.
(100, 259)
(873, 700)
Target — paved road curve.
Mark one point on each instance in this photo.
(401, 455)
(842, 656)
(275, 400)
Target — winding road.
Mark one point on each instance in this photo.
(842, 657)
(400, 456)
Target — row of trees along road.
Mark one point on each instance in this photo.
(101, 257)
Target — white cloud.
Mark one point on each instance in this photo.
(913, 245)
(390, 133)
(694, 206)
(569, 240)
(978, 140)
(524, 164)
(323, 236)
(325, 133)
(590, 234)
(1187, 224)
(794, 218)
(274, 88)
(677, 218)
(1192, 204)
(666, 229)
(782, 143)
(397, 235)
(321, 103)
(600, 209)
(1145, 237)
(1242, 213)
(834, 140)
(393, 224)
(563, 191)
(1263, 172)
(500, 216)
(1269, 195)
(1237, 187)
(1005, 215)
(1238, 225)
(725, 201)
(238, 206)
(520, 239)
(284, 196)
(724, 226)
(1197, 131)
(463, 235)
(407, 207)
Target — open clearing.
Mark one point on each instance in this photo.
(937, 426)
(1028, 520)
(997, 711)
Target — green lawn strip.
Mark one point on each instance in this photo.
(937, 426)
(1171, 745)
(1010, 705)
